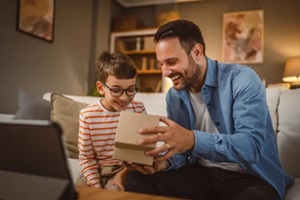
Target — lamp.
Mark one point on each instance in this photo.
(292, 72)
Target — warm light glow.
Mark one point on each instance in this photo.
(292, 70)
(167, 84)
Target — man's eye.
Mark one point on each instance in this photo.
(171, 62)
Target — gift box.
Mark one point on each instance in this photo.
(126, 145)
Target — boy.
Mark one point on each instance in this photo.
(98, 121)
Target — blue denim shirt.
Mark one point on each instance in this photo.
(236, 100)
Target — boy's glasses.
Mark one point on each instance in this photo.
(117, 92)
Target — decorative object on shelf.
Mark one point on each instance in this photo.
(292, 72)
(152, 64)
(138, 45)
(243, 37)
(126, 40)
(144, 63)
(126, 23)
(167, 16)
(36, 18)
(149, 44)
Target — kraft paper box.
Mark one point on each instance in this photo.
(126, 141)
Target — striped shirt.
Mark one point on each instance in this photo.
(97, 129)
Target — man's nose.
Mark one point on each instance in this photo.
(166, 72)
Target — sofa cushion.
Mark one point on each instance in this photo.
(65, 111)
(79, 98)
(272, 102)
(32, 107)
(292, 192)
(288, 137)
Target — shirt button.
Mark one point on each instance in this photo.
(189, 157)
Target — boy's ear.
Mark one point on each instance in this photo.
(100, 87)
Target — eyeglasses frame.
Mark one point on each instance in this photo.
(123, 90)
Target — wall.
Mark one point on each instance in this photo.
(82, 33)
(281, 36)
(37, 66)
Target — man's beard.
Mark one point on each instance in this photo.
(191, 76)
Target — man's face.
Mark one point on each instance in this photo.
(176, 64)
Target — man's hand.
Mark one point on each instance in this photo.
(146, 169)
(177, 139)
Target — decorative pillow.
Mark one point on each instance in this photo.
(288, 137)
(65, 112)
(32, 107)
(272, 101)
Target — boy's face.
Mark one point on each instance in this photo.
(111, 87)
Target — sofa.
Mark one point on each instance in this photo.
(64, 109)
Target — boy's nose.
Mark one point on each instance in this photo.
(124, 96)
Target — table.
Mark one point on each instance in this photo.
(87, 193)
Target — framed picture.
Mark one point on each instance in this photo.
(36, 18)
(243, 37)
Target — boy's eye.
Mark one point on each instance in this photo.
(116, 89)
(131, 89)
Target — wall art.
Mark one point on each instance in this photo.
(243, 37)
(36, 18)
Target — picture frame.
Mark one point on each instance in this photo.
(36, 18)
(243, 37)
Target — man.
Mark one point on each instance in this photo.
(219, 140)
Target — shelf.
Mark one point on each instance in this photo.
(140, 32)
(141, 52)
(131, 34)
(149, 71)
(140, 47)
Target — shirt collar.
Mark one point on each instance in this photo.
(211, 78)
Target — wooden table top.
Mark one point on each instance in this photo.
(87, 193)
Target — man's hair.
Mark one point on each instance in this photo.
(188, 33)
(116, 64)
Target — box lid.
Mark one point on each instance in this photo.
(127, 135)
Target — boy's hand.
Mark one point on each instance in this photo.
(119, 179)
(147, 169)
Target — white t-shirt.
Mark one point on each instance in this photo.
(204, 123)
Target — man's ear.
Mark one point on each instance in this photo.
(197, 51)
(100, 88)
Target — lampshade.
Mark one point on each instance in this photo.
(292, 70)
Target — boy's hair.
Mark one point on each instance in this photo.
(188, 33)
(116, 64)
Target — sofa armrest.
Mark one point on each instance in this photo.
(6, 117)
(74, 168)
